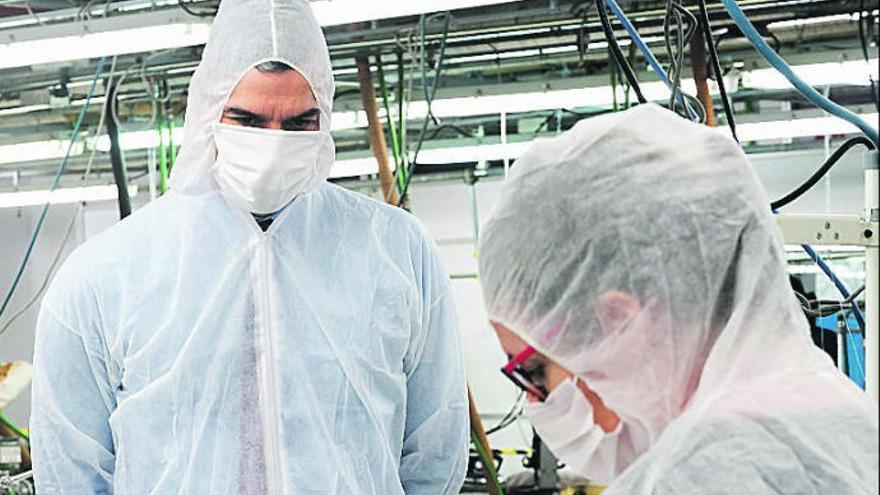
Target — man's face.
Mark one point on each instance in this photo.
(273, 100)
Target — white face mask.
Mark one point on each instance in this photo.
(564, 421)
(262, 170)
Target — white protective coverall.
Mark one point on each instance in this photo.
(717, 369)
(186, 351)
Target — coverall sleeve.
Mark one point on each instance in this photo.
(435, 446)
(71, 402)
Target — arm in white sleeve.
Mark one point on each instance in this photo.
(435, 446)
(71, 441)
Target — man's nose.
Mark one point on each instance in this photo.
(274, 125)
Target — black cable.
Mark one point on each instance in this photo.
(822, 307)
(117, 158)
(510, 417)
(830, 162)
(208, 13)
(619, 58)
(716, 68)
(864, 42)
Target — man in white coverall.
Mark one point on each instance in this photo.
(256, 330)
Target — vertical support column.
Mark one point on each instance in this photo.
(375, 130)
(872, 274)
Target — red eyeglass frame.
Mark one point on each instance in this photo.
(514, 372)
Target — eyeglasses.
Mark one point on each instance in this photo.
(520, 377)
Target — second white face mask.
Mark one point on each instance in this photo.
(262, 170)
(564, 421)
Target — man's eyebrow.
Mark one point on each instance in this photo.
(240, 112)
(314, 112)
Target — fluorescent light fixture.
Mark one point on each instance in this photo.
(136, 140)
(38, 150)
(441, 156)
(757, 131)
(849, 72)
(162, 30)
(513, 103)
(825, 19)
(853, 72)
(101, 44)
(24, 109)
(796, 128)
(354, 167)
(479, 153)
(336, 12)
(62, 195)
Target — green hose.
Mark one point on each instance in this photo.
(163, 158)
(392, 126)
(172, 154)
(488, 463)
(18, 431)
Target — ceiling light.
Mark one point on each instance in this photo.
(137, 140)
(796, 128)
(335, 12)
(101, 44)
(851, 72)
(169, 28)
(757, 131)
(38, 150)
(62, 195)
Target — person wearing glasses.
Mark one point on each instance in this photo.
(635, 276)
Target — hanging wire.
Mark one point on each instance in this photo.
(55, 183)
(70, 224)
(429, 91)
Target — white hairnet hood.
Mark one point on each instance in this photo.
(244, 34)
(646, 204)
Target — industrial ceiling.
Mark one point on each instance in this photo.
(522, 47)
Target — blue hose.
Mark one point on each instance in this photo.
(646, 52)
(777, 63)
(74, 135)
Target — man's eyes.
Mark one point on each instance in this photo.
(302, 125)
(245, 121)
(307, 124)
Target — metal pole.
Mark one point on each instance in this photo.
(842, 335)
(475, 216)
(151, 171)
(504, 142)
(872, 274)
